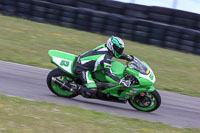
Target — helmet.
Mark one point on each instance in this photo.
(115, 45)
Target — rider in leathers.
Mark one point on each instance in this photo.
(97, 59)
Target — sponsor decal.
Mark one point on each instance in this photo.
(134, 91)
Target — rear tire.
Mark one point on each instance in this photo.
(54, 87)
(152, 99)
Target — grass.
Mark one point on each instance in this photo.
(28, 42)
(23, 116)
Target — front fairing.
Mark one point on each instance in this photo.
(142, 72)
(145, 77)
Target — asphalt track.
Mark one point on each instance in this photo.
(30, 83)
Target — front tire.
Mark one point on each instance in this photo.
(53, 87)
(148, 103)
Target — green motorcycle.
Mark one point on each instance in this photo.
(141, 94)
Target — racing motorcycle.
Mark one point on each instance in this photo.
(141, 95)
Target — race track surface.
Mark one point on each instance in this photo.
(30, 83)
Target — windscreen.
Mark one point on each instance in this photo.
(137, 65)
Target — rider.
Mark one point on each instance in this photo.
(100, 58)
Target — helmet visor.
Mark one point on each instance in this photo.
(118, 49)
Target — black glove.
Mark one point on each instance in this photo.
(129, 57)
(124, 82)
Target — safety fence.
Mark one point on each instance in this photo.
(163, 27)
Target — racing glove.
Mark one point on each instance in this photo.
(124, 82)
(129, 57)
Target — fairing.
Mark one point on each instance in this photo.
(63, 60)
(117, 69)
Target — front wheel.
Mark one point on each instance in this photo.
(148, 102)
(58, 73)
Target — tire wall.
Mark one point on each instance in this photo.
(164, 27)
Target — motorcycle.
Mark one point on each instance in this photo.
(141, 95)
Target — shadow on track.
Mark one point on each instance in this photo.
(95, 103)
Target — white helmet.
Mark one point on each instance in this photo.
(115, 45)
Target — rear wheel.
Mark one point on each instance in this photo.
(56, 89)
(148, 102)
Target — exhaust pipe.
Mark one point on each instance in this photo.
(61, 84)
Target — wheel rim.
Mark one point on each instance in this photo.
(57, 89)
(146, 103)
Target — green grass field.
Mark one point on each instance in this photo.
(28, 42)
(23, 116)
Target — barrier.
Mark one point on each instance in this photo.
(168, 28)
